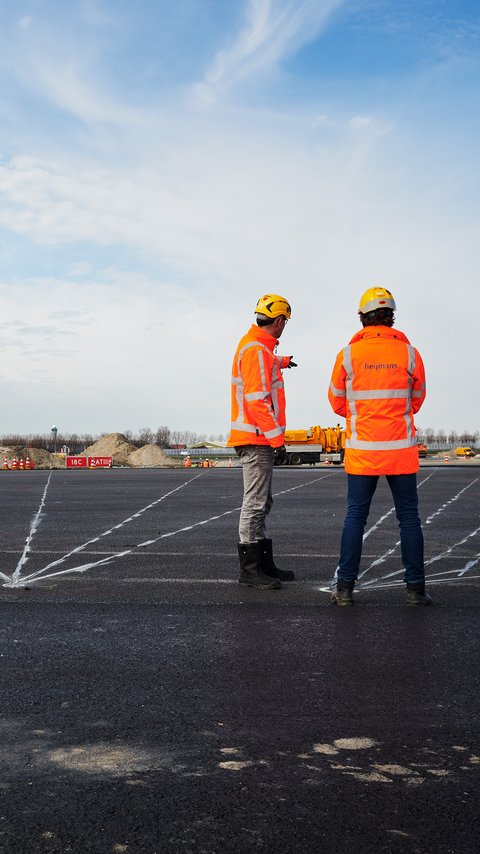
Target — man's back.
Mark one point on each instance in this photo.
(378, 383)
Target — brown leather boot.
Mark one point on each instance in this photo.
(343, 595)
(417, 596)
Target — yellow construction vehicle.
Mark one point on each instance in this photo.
(315, 445)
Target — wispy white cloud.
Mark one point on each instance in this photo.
(318, 201)
(25, 22)
(274, 30)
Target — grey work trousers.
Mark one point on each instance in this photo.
(257, 463)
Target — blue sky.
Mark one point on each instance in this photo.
(164, 164)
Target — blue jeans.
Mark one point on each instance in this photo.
(361, 489)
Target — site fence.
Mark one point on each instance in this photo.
(211, 453)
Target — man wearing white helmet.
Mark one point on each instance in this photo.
(257, 428)
(378, 384)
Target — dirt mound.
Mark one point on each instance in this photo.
(114, 445)
(123, 453)
(42, 458)
(151, 456)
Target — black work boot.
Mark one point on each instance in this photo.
(343, 595)
(251, 570)
(267, 562)
(417, 596)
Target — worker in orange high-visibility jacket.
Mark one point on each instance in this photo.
(257, 428)
(378, 384)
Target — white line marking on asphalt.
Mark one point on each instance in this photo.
(12, 582)
(469, 565)
(179, 580)
(450, 501)
(39, 576)
(387, 554)
(376, 584)
(434, 580)
(389, 513)
(110, 530)
(371, 531)
(450, 548)
(458, 572)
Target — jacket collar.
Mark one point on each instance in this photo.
(263, 336)
(379, 332)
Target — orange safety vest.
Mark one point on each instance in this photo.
(258, 395)
(377, 384)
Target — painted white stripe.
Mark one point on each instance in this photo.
(114, 528)
(450, 501)
(431, 560)
(378, 523)
(31, 534)
(399, 583)
(378, 584)
(38, 576)
(450, 548)
(470, 565)
(457, 572)
(383, 557)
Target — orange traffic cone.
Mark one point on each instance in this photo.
(327, 461)
(14, 464)
(446, 458)
(21, 463)
(27, 463)
(188, 463)
(5, 464)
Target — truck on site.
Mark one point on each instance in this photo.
(464, 452)
(422, 449)
(315, 445)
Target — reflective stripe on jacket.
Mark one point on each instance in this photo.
(258, 397)
(377, 384)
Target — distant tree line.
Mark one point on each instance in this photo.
(441, 439)
(163, 436)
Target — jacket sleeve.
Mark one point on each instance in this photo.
(256, 369)
(419, 388)
(284, 361)
(337, 390)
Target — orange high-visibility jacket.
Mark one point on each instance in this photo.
(377, 384)
(258, 396)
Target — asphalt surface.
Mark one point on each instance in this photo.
(152, 704)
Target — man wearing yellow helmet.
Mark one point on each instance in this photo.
(257, 428)
(378, 384)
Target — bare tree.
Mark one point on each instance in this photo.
(163, 436)
(145, 436)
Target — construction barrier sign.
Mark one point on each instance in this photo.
(76, 462)
(99, 462)
(89, 462)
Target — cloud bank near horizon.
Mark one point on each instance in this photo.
(153, 219)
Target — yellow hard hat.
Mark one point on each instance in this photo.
(375, 298)
(273, 305)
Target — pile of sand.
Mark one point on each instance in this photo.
(123, 453)
(114, 445)
(43, 459)
(151, 456)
